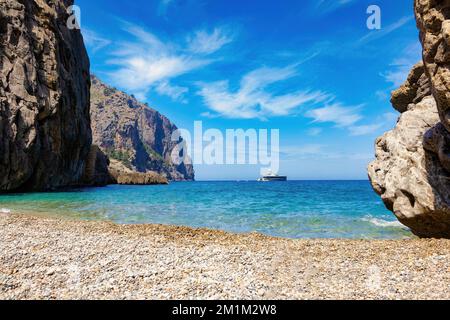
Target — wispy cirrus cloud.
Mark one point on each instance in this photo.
(314, 132)
(400, 67)
(385, 121)
(384, 31)
(203, 42)
(326, 6)
(254, 99)
(398, 70)
(350, 117)
(341, 116)
(147, 62)
(93, 40)
(363, 130)
(177, 93)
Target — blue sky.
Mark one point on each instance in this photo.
(309, 68)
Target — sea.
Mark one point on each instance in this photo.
(293, 209)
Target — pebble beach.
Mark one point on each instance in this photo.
(52, 258)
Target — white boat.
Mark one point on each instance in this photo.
(272, 177)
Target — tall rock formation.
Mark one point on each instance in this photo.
(433, 21)
(45, 133)
(131, 133)
(412, 169)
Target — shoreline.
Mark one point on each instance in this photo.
(73, 218)
(54, 258)
(277, 210)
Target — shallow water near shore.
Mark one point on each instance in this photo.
(294, 209)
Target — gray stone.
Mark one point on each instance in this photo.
(45, 133)
(409, 178)
(412, 166)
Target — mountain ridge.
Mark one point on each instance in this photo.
(133, 133)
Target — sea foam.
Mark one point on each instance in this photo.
(384, 223)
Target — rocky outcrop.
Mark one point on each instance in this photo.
(413, 90)
(45, 133)
(409, 178)
(120, 174)
(412, 167)
(433, 21)
(133, 134)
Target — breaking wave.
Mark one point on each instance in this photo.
(384, 223)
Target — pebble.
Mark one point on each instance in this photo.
(48, 258)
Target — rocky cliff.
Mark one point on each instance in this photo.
(133, 134)
(45, 133)
(412, 167)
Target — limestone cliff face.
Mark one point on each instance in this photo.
(134, 134)
(412, 169)
(45, 133)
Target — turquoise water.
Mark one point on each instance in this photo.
(295, 209)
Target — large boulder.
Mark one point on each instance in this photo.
(409, 178)
(120, 174)
(45, 133)
(412, 167)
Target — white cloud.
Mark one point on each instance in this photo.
(327, 6)
(93, 40)
(208, 115)
(203, 42)
(401, 67)
(175, 92)
(150, 63)
(349, 117)
(253, 99)
(340, 115)
(363, 130)
(385, 121)
(314, 132)
(382, 95)
(374, 35)
(397, 77)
